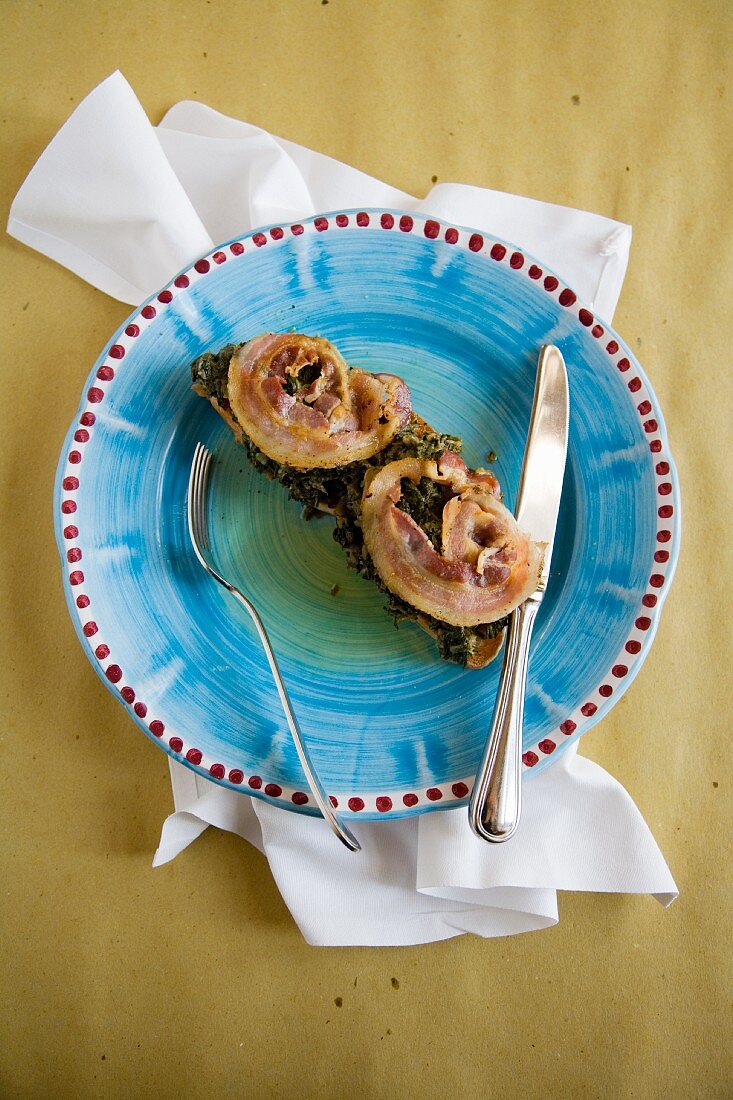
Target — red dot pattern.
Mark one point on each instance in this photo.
(432, 230)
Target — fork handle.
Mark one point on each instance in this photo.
(334, 820)
(496, 800)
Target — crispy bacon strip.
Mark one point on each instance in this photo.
(485, 567)
(299, 402)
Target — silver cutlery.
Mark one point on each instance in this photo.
(198, 530)
(495, 803)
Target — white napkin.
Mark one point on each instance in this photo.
(125, 205)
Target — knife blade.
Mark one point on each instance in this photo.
(543, 468)
(495, 805)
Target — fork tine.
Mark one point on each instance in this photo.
(194, 491)
(198, 495)
(203, 489)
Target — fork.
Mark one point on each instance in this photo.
(198, 530)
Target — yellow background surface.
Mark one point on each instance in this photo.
(193, 981)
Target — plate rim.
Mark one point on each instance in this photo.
(390, 804)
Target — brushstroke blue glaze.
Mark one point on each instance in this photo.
(380, 710)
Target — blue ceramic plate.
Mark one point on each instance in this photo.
(393, 729)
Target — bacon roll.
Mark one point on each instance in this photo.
(485, 566)
(304, 407)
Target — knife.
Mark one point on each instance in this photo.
(495, 804)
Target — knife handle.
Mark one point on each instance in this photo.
(495, 805)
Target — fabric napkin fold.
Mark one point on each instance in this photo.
(125, 205)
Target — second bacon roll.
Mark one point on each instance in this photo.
(484, 567)
(303, 406)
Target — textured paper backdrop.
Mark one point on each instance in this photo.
(192, 980)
